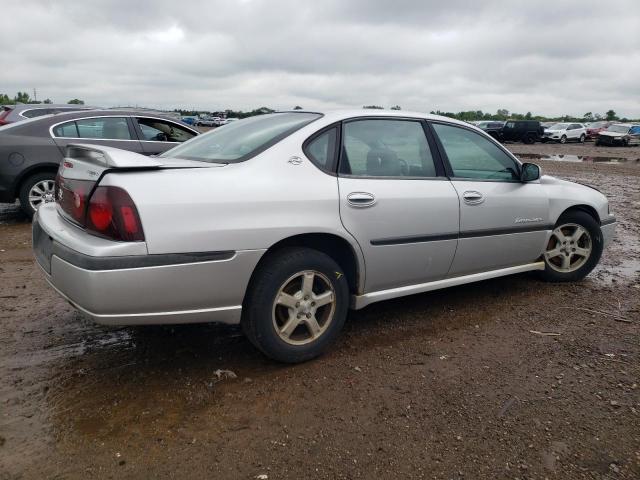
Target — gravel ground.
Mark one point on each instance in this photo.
(450, 384)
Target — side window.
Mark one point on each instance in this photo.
(386, 148)
(473, 156)
(68, 130)
(162, 131)
(322, 149)
(106, 128)
(36, 112)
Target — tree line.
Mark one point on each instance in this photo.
(23, 97)
(467, 116)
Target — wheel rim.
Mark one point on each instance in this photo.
(569, 248)
(304, 307)
(563, 139)
(41, 192)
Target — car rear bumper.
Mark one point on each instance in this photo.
(145, 289)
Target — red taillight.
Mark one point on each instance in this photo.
(3, 116)
(112, 214)
(72, 195)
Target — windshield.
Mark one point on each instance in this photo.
(618, 128)
(559, 126)
(241, 140)
(598, 125)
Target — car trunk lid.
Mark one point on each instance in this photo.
(84, 166)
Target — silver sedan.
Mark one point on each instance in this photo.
(283, 222)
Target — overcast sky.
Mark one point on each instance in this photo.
(550, 57)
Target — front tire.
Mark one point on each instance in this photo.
(574, 248)
(563, 139)
(296, 305)
(36, 190)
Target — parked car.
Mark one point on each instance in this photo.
(493, 128)
(565, 132)
(594, 128)
(620, 134)
(30, 151)
(282, 222)
(208, 122)
(189, 120)
(16, 113)
(526, 131)
(226, 121)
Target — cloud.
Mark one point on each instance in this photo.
(566, 57)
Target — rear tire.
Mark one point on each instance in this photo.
(574, 248)
(296, 305)
(35, 191)
(583, 137)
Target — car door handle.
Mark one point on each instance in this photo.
(361, 199)
(471, 197)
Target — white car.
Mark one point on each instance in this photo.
(565, 132)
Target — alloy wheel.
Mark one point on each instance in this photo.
(304, 307)
(569, 248)
(41, 192)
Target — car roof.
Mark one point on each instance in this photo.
(337, 115)
(36, 106)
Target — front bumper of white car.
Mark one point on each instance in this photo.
(608, 228)
(142, 289)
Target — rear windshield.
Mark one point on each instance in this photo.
(241, 140)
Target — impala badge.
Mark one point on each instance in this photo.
(295, 160)
(528, 220)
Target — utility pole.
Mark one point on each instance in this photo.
(35, 95)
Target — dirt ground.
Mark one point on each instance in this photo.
(451, 384)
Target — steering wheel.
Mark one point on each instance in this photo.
(161, 137)
(404, 166)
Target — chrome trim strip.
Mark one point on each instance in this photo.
(361, 301)
(455, 236)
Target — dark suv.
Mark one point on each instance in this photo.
(526, 131)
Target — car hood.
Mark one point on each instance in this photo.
(613, 134)
(548, 130)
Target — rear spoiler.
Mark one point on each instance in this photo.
(109, 157)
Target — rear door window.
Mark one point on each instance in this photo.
(386, 148)
(105, 128)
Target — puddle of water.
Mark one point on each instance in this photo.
(578, 159)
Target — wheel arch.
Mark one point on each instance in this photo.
(29, 172)
(582, 208)
(341, 250)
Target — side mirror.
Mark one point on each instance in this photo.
(530, 172)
